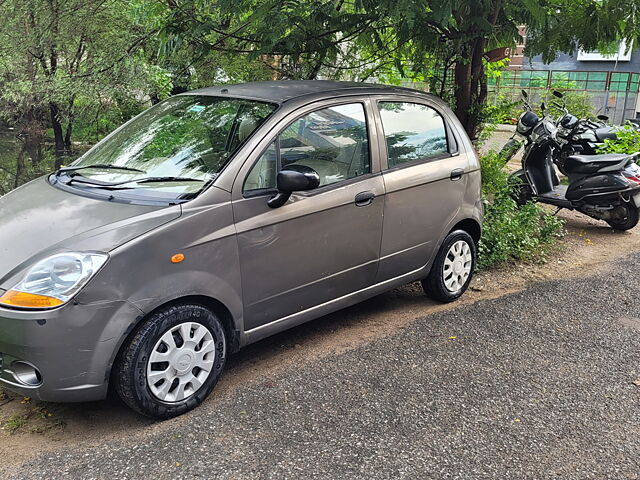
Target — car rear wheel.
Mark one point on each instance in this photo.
(173, 361)
(452, 269)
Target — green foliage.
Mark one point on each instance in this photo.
(95, 118)
(494, 70)
(510, 232)
(506, 106)
(504, 109)
(577, 102)
(627, 141)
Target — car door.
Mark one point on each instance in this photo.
(322, 244)
(424, 176)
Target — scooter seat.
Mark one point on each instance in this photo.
(609, 162)
(604, 133)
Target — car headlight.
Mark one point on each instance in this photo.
(53, 281)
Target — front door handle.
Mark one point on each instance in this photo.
(364, 198)
(456, 174)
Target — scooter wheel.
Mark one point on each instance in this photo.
(625, 218)
(522, 194)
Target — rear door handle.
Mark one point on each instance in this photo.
(364, 198)
(456, 174)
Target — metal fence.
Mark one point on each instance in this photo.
(612, 93)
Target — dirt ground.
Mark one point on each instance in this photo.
(29, 427)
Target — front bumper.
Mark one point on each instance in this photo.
(72, 348)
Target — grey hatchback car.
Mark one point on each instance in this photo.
(219, 217)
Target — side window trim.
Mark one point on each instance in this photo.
(370, 130)
(453, 147)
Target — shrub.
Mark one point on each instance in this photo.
(577, 102)
(505, 109)
(627, 141)
(511, 232)
(506, 106)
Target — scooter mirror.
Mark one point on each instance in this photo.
(557, 94)
(524, 94)
(543, 107)
(604, 118)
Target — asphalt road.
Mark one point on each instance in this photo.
(533, 385)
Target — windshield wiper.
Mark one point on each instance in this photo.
(116, 185)
(104, 166)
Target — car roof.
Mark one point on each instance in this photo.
(284, 90)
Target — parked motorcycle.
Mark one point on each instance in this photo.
(581, 136)
(604, 187)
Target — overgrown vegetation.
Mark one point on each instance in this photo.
(627, 141)
(577, 102)
(511, 232)
(503, 109)
(506, 106)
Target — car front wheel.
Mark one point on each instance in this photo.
(172, 362)
(452, 269)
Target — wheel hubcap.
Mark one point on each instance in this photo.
(180, 362)
(457, 266)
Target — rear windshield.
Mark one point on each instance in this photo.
(186, 137)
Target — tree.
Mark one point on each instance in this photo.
(61, 56)
(413, 37)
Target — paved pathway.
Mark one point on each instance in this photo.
(533, 385)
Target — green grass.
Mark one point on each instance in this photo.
(15, 423)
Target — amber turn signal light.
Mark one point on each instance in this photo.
(14, 298)
(177, 258)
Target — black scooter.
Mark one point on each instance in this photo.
(582, 136)
(604, 187)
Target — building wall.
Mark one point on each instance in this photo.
(570, 62)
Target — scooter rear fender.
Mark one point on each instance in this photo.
(597, 188)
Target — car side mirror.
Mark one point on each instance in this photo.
(293, 178)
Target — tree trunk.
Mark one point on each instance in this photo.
(471, 87)
(69, 130)
(67, 138)
(32, 135)
(470, 77)
(462, 91)
(58, 136)
(19, 168)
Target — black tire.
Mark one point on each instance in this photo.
(434, 285)
(625, 217)
(522, 192)
(130, 370)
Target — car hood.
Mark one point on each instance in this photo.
(39, 219)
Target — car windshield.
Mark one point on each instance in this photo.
(175, 148)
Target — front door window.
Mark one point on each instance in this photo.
(333, 141)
